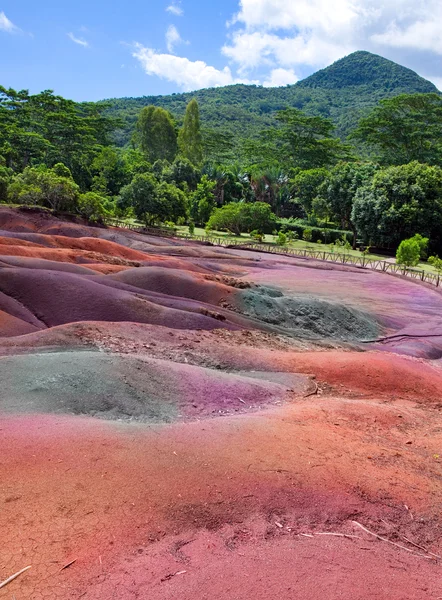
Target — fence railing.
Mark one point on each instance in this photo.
(362, 261)
(349, 259)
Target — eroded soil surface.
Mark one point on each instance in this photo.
(183, 421)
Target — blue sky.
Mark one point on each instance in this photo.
(96, 49)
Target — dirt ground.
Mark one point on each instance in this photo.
(181, 421)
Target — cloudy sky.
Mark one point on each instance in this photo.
(89, 50)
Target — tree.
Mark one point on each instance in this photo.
(190, 140)
(307, 142)
(44, 128)
(156, 134)
(404, 128)
(339, 189)
(53, 188)
(408, 253)
(183, 173)
(305, 186)
(397, 202)
(111, 171)
(91, 206)
(5, 179)
(239, 217)
(271, 185)
(202, 201)
(151, 201)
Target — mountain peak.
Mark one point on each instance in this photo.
(363, 68)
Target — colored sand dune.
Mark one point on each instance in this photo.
(185, 421)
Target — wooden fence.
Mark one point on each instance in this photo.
(362, 261)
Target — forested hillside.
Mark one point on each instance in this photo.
(243, 159)
(343, 92)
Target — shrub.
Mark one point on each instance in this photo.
(436, 262)
(307, 235)
(239, 217)
(326, 234)
(257, 236)
(92, 206)
(191, 227)
(281, 239)
(408, 253)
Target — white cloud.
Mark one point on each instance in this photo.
(280, 14)
(7, 25)
(254, 49)
(281, 34)
(175, 9)
(173, 38)
(78, 41)
(189, 75)
(280, 77)
(421, 35)
(273, 41)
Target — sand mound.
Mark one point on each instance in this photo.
(114, 387)
(308, 317)
(57, 298)
(12, 326)
(174, 282)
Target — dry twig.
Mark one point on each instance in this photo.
(383, 539)
(6, 581)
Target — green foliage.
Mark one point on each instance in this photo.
(307, 142)
(307, 235)
(45, 187)
(190, 140)
(191, 227)
(49, 129)
(239, 217)
(436, 262)
(337, 193)
(327, 235)
(153, 202)
(183, 174)
(156, 134)
(92, 206)
(5, 179)
(305, 186)
(423, 245)
(343, 92)
(399, 201)
(281, 240)
(408, 253)
(257, 236)
(202, 201)
(405, 128)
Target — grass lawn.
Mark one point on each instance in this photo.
(299, 244)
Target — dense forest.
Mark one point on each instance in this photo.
(342, 92)
(351, 154)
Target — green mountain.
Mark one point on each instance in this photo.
(343, 92)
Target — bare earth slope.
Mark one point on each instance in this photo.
(183, 421)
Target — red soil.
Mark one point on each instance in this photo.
(227, 508)
(105, 495)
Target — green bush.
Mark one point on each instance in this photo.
(436, 262)
(91, 206)
(328, 236)
(307, 235)
(281, 239)
(408, 253)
